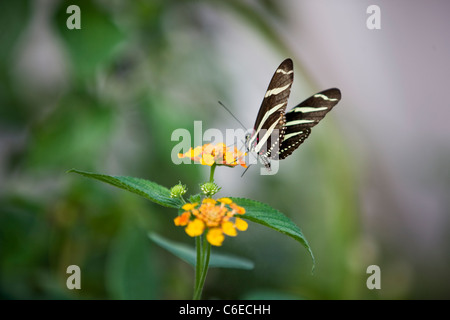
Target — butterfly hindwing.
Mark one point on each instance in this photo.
(300, 119)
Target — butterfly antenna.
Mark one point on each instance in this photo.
(245, 170)
(232, 115)
(243, 143)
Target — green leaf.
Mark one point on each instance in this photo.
(130, 271)
(189, 255)
(267, 216)
(197, 198)
(147, 189)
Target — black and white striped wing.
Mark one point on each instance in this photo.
(300, 119)
(271, 115)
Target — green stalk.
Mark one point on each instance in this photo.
(201, 272)
(203, 255)
(211, 175)
(198, 265)
(206, 256)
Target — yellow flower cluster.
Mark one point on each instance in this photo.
(220, 154)
(216, 217)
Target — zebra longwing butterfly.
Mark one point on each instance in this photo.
(277, 134)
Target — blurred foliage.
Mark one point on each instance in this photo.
(106, 98)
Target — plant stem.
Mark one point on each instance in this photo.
(201, 268)
(203, 254)
(198, 265)
(206, 256)
(211, 175)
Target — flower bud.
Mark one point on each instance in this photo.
(209, 188)
(178, 190)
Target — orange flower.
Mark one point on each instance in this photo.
(218, 154)
(215, 237)
(216, 217)
(183, 219)
(195, 228)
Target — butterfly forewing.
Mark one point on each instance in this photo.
(277, 134)
(269, 126)
(300, 119)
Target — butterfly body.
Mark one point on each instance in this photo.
(277, 133)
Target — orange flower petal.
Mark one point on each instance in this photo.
(209, 200)
(195, 228)
(225, 200)
(208, 154)
(215, 236)
(189, 206)
(229, 229)
(207, 159)
(197, 151)
(237, 209)
(208, 148)
(183, 219)
(230, 158)
(241, 224)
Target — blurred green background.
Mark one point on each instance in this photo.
(107, 98)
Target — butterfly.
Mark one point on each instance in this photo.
(277, 133)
